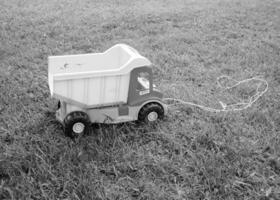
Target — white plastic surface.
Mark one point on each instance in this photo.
(94, 79)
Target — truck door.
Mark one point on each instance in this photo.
(140, 86)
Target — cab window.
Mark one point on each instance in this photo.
(143, 81)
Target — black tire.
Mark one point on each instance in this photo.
(76, 124)
(153, 109)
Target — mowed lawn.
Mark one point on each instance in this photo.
(191, 154)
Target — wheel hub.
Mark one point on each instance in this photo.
(152, 116)
(78, 127)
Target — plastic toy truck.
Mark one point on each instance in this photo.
(110, 87)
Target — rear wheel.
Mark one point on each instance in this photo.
(151, 113)
(76, 124)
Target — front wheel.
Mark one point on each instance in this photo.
(151, 113)
(76, 124)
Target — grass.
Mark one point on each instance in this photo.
(192, 154)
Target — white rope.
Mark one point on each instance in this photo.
(231, 107)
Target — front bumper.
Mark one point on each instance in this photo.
(165, 108)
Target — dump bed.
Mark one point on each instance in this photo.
(94, 79)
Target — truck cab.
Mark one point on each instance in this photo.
(141, 86)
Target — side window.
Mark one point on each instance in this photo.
(143, 83)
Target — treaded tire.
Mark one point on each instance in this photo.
(151, 113)
(76, 119)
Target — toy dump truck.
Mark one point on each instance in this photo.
(110, 87)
